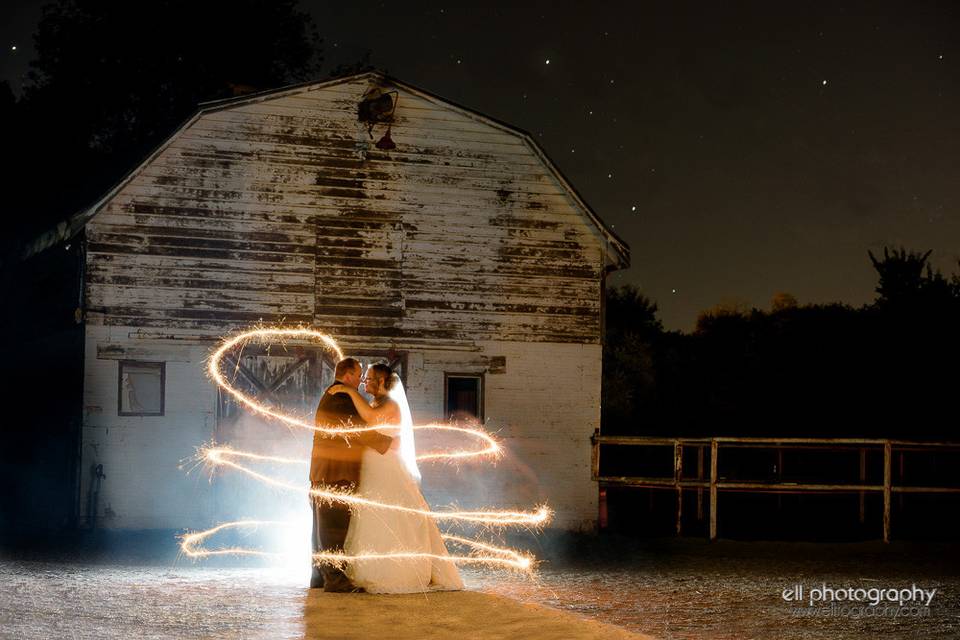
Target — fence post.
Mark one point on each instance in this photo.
(863, 480)
(779, 479)
(714, 450)
(700, 475)
(901, 481)
(677, 476)
(887, 481)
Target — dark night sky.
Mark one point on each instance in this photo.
(741, 150)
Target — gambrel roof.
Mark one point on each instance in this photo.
(617, 251)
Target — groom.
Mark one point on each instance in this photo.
(335, 463)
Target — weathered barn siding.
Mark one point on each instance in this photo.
(543, 408)
(145, 487)
(459, 247)
(284, 210)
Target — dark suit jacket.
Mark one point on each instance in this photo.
(337, 458)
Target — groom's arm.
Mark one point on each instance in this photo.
(373, 439)
(376, 441)
(334, 412)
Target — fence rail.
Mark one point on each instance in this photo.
(713, 484)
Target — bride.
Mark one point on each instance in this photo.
(393, 478)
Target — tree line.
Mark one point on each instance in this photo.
(885, 369)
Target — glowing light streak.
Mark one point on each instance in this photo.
(221, 456)
(214, 370)
(483, 553)
(190, 544)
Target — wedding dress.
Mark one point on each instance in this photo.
(393, 478)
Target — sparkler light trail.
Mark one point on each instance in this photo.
(190, 544)
(222, 456)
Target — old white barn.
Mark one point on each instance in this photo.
(427, 233)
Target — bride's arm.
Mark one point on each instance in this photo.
(381, 442)
(386, 412)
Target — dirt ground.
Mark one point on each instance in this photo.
(670, 589)
(466, 614)
(45, 600)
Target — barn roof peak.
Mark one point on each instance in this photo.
(618, 250)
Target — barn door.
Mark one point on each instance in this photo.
(288, 379)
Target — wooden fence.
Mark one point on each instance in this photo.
(714, 484)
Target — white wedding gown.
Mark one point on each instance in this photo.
(392, 478)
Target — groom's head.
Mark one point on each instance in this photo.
(348, 372)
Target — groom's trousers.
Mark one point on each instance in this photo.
(330, 524)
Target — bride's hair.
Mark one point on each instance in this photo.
(389, 377)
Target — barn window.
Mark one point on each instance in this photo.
(463, 396)
(141, 388)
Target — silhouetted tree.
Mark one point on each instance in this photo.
(781, 301)
(628, 359)
(724, 313)
(906, 278)
(901, 274)
(630, 311)
(111, 79)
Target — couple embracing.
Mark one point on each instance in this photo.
(380, 465)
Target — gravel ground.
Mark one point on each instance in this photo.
(698, 591)
(669, 589)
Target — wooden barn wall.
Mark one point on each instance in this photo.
(542, 402)
(284, 210)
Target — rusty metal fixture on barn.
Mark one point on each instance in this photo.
(386, 143)
(377, 107)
